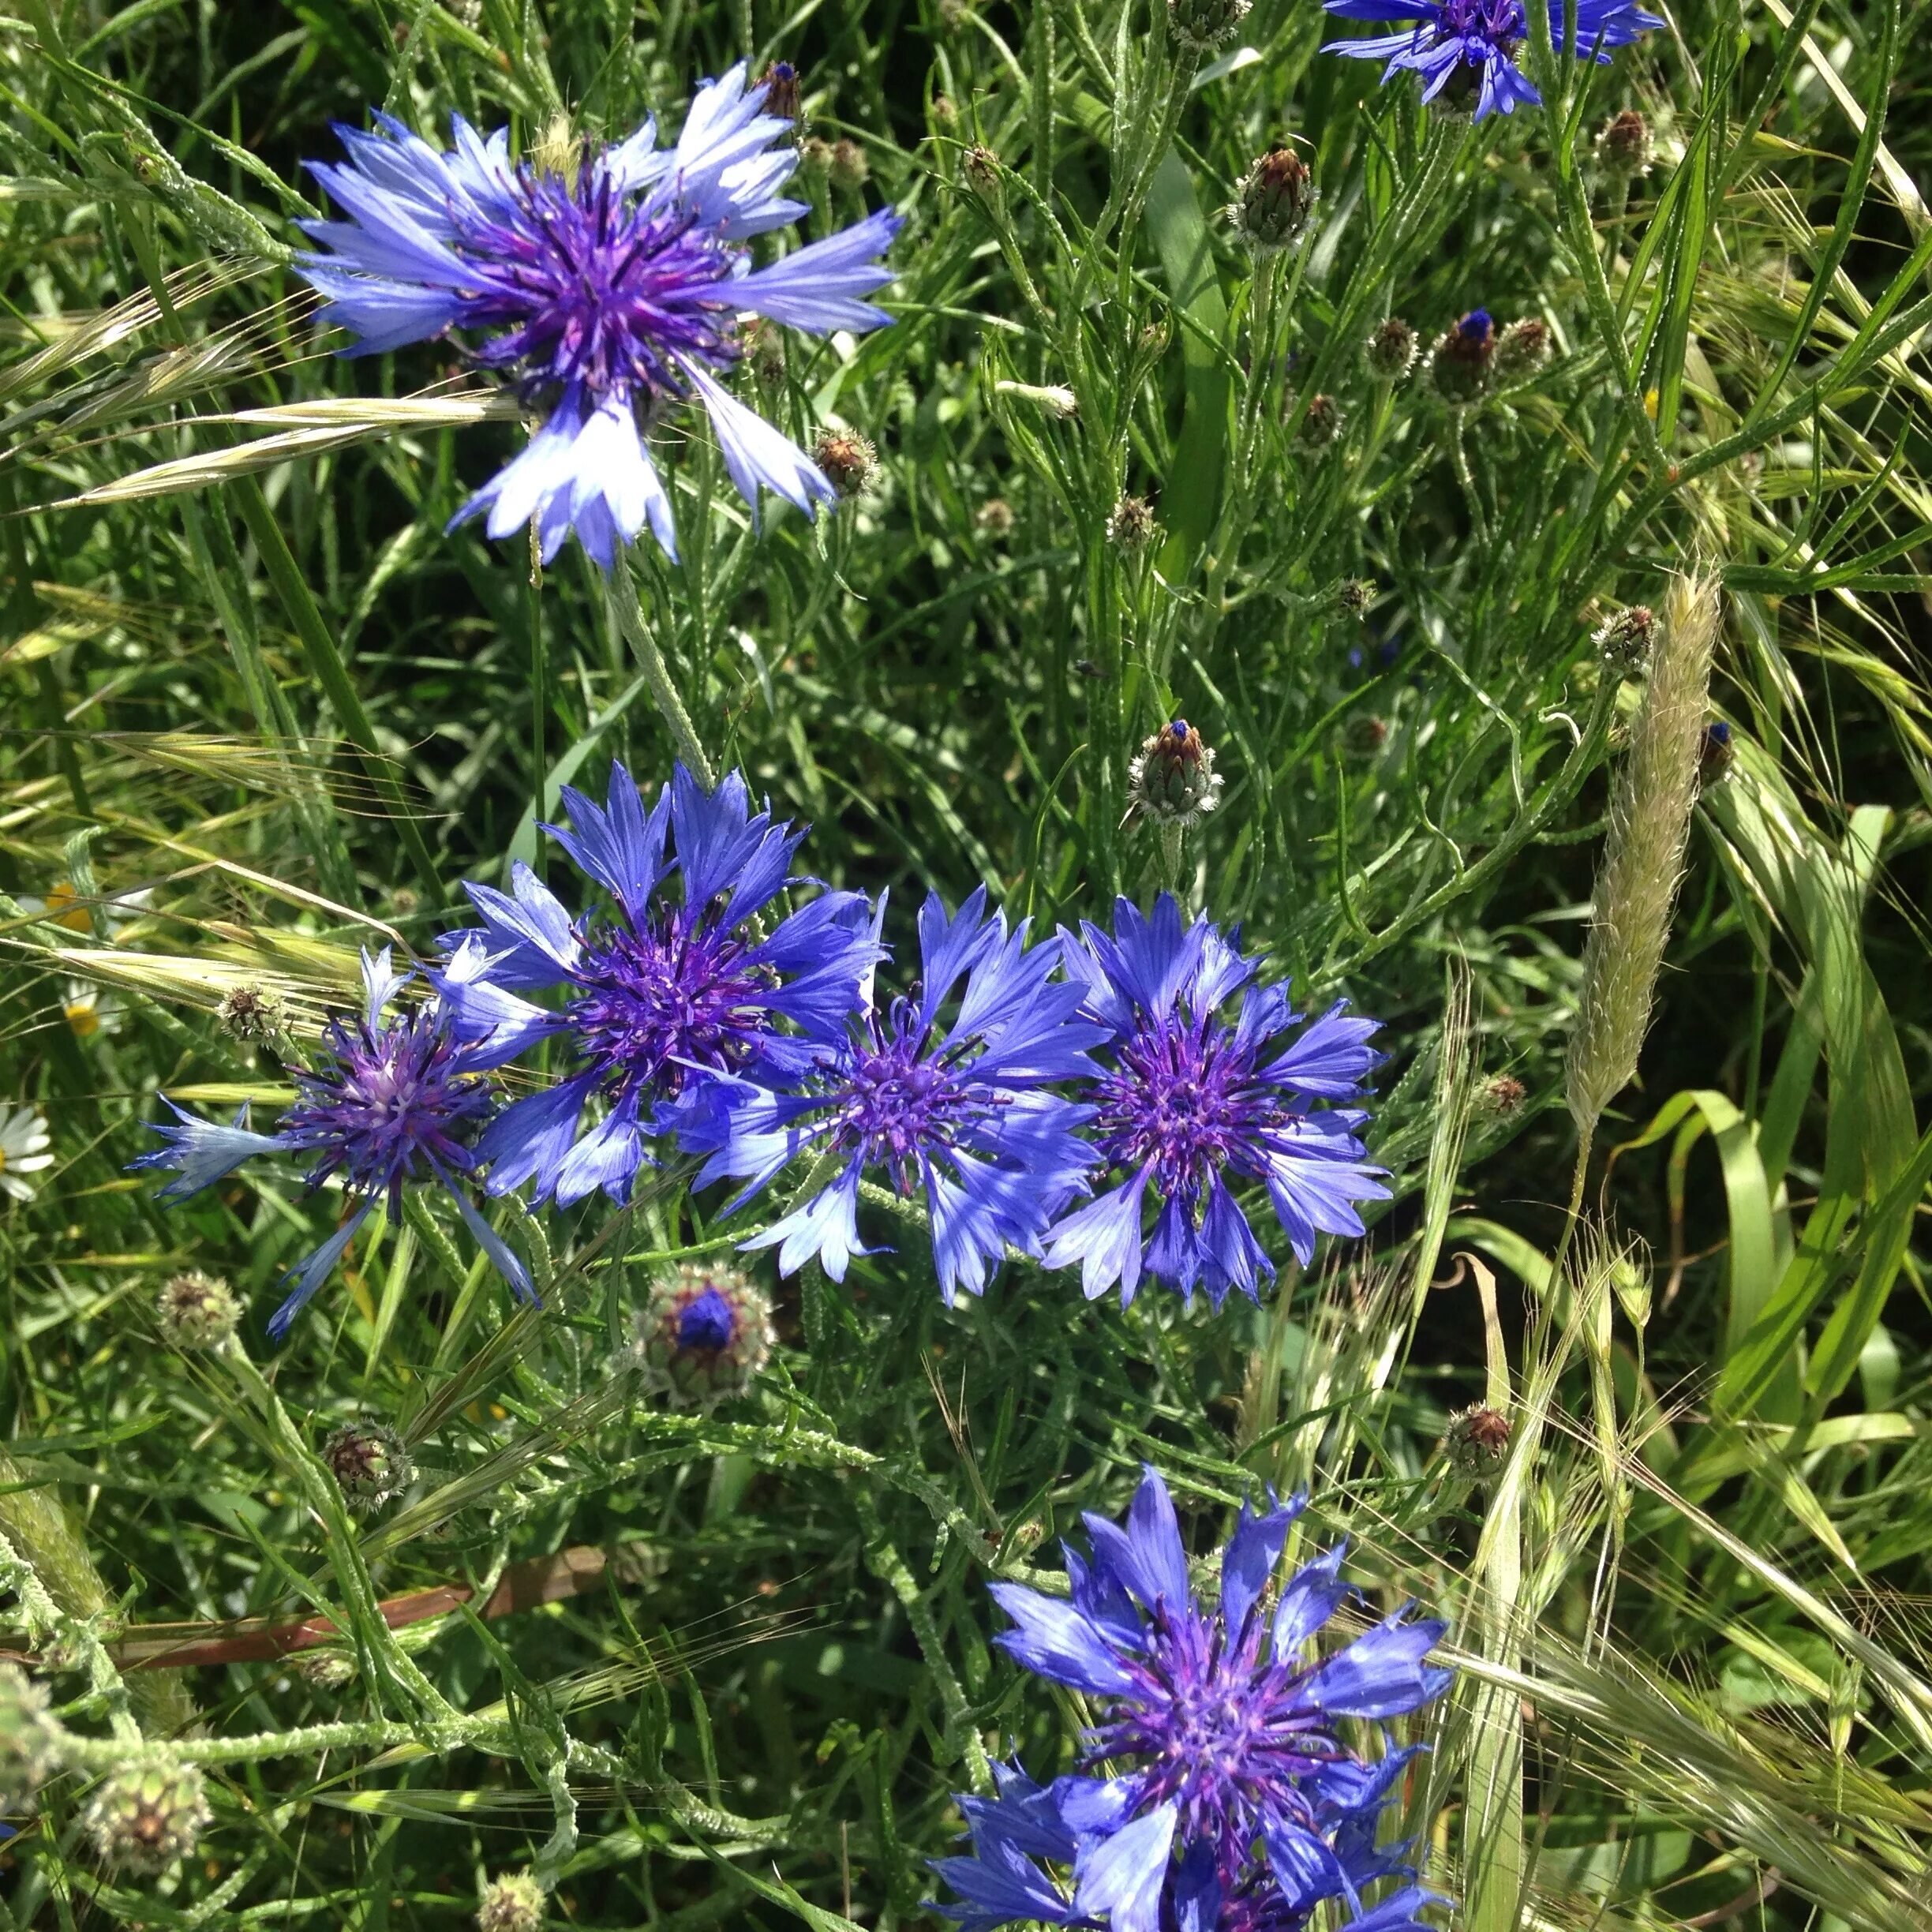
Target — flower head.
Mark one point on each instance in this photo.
(703, 1335)
(23, 1149)
(1171, 780)
(609, 288)
(1192, 1101)
(947, 1098)
(370, 1463)
(1467, 48)
(652, 993)
(1233, 1801)
(388, 1100)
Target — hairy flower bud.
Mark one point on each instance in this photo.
(848, 460)
(143, 1816)
(513, 1902)
(1390, 350)
(703, 1335)
(994, 518)
(1352, 596)
(1478, 1439)
(1623, 145)
(1203, 24)
(1364, 736)
(1276, 194)
(30, 1740)
(252, 1013)
(368, 1463)
(326, 1669)
(1623, 639)
(848, 168)
(1172, 781)
(1501, 1095)
(781, 91)
(197, 1310)
(1460, 363)
(1521, 350)
(815, 156)
(1131, 525)
(1321, 423)
(1717, 753)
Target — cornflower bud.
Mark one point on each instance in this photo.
(848, 460)
(1501, 1095)
(1521, 350)
(994, 518)
(1459, 364)
(1202, 25)
(781, 91)
(703, 1335)
(1276, 194)
(815, 156)
(981, 168)
(945, 115)
(368, 1463)
(326, 1669)
(1478, 1439)
(143, 1816)
(1623, 145)
(513, 1902)
(1130, 525)
(1623, 639)
(1352, 596)
(764, 349)
(1364, 736)
(30, 1740)
(1716, 754)
(197, 1310)
(848, 168)
(1390, 351)
(1173, 781)
(1321, 423)
(252, 1013)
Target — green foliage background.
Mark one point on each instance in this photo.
(243, 669)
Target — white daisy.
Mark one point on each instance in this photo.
(24, 1139)
(88, 1010)
(66, 907)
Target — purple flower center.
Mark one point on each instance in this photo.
(1498, 22)
(706, 1321)
(1220, 1736)
(1478, 325)
(389, 1097)
(1185, 1096)
(591, 290)
(656, 1000)
(894, 1104)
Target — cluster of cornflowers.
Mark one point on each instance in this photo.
(1096, 1100)
(1217, 1789)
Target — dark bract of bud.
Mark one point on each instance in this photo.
(143, 1816)
(1478, 1439)
(1364, 736)
(1390, 351)
(815, 156)
(512, 1903)
(1322, 422)
(1203, 24)
(251, 1012)
(1521, 350)
(368, 1463)
(1623, 638)
(1276, 194)
(781, 91)
(1131, 525)
(197, 1310)
(703, 1335)
(1716, 754)
(1459, 364)
(848, 460)
(849, 168)
(1173, 780)
(981, 168)
(1623, 145)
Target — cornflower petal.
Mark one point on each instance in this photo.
(312, 1272)
(1052, 1640)
(1381, 1674)
(1125, 1875)
(1252, 1552)
(201, 1152)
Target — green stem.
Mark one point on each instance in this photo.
(628, 615)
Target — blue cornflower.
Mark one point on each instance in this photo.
(656, 994)
(1233, 1805)
(958, 1108)
(387, 1101)
(1470, 45)
(1191, 1102)
(612, 287)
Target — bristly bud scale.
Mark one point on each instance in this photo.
(1478, 1439)
(1522, 350)
(781, 90)
(1352, 596)
(703, 1336)
(1460, 363)
(369, 1464)
(1390, 351)
(1173, 781)
(1366, 736)
(197, 1310)
(764, 349)
(1643, 857)
(326, 1669)
(1321, 423)
(252, 1013)
(30, 1740)
(512, 1902)
(848, 460)
(143, 1816)
(1130, 525)
(1623, 638)
(815, 157)
(1624, 148)
(1276, 194)
(1202, 25)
